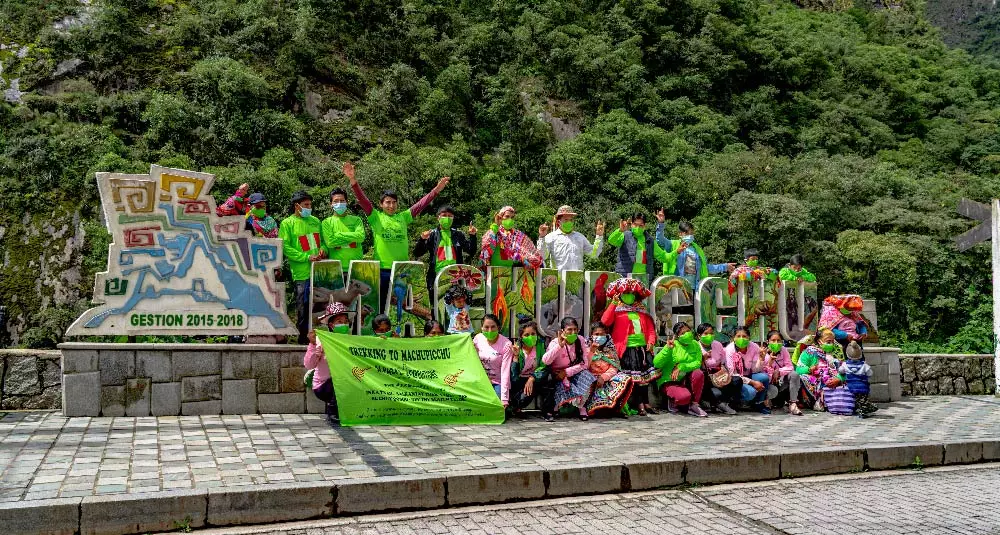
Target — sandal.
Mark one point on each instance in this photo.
(642, 412)
(793, 408)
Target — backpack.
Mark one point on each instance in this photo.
(839, 401)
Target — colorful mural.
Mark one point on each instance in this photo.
(408, 303)
(366, 274)
(463, 275)
(175, 267)
(597, 281)
(716, 306)
(672, 302)
(328, 287)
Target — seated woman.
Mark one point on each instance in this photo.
(612, 387)
(527, 372)
(785, 381)
(634, 334)
(495, 352)
(713, 359)
(681, 379)
(570, 368)
(816, 361)
(842, 315)
(743, 360)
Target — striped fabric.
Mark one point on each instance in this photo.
(839, 401)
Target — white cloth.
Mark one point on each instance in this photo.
(568, 250)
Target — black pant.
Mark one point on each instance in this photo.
(384, 287)
(302, 310)
(729, 394)
(545, 392)
(325, 393)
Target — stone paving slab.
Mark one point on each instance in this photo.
(44, 456)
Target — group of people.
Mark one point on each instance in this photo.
(612, 371)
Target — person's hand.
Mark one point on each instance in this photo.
(600, 228)
(349, 171)
(562, 339)
(670, 343)
(683, 245)
(730, 266)
(442, 183)
(561, 374)
(496, 219)
(543, 230)
(312, 336)
(425, 234)
(594, 346)
(623, 225)
(243, 189)
(649, 346)
(472, 230)
(675, 374)
(529, 387)
(314, 258)
(757, 385)
(813, 369)
(322, 254)
(600, 381)
(661, 216)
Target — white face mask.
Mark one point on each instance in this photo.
(340, 207)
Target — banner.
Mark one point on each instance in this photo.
(409, 381)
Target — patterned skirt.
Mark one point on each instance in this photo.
(577, 392)
(611, 395)
(638, 364)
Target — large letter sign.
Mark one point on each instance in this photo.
(175, 267)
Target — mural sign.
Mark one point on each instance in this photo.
(175, 267)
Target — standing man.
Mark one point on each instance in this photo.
(446, 246)
(686, 257)
(565, 247)
(390, 228)
(300, 234)
(343, 233)
(634, 243)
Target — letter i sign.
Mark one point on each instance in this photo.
(308, 242)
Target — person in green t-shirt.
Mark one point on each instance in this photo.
(300, 236)
(796, 271)
(342, 233)
(390, 227)
(636, 248)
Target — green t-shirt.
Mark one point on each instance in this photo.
(343, 237)
(392, 242)
(300, 238)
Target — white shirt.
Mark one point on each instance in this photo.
(568, 250)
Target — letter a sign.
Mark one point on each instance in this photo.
(988, 229)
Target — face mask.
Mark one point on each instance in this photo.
(775, 347)
(845, 311)
(491, 335)
(686, 338)
(687, 238)
(753, 263)
(305, 212)
(342, 328)
(340, 207)
(381, 335)
(529, 340)
(628, 299)
(637, 231)
(707, 339)
(741, 343)
(601, 340)
(829, 348)
(507, 224)
(571, 338)
(259, 212)
(445, 222)
(566, 226)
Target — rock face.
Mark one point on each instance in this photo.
(947, 374)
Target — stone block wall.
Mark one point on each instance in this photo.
(886, 379)
(31, 379)
(184, 379)
(930, 374)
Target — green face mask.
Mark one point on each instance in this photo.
(686, 338)
(445, 222)
(571, 338)
(341, 329)
(741, 343)
(628, 299)
(637, 232)
(707, 339)
(529, 340)
(829, 348)
(753, 263)
(259, 212)
(566, 226)
(491, 335)
(507, 224)
(775, 347)
(845, 311)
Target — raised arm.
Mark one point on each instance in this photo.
(366, 205)
(422, 204)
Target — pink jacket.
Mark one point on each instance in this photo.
(560, 358)
(782, 364)
(714, 357)
(496, 359)
(316, 358)
(530, 362)
(751, 363)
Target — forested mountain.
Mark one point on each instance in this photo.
(846, 132)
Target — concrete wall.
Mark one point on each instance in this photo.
(184, 379)
(31, 379)
(947, 374)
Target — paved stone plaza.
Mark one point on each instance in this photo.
(44, 455)
(932, 502)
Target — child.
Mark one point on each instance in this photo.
(456, 305)
(528, 375)
(382, 325)
(634, 334)
(315, 359)
(433, 328)
(796, 271)
(784, 379)
(856, 372)
(613, 387)
(817, 365)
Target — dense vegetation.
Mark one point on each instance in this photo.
(847, 135)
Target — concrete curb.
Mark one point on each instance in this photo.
(118, 514)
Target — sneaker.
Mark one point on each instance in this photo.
(671, 406)
(724, 408)
(549, 418)
(762, 409)
(695, 410)
(706, 406)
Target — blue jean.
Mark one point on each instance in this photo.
(751, 394)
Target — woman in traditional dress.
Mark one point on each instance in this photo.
(569, 365)
(634, 335)
(613, 386)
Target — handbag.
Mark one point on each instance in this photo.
(838, 401)
(721, 378)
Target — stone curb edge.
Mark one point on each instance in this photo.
(119, 514)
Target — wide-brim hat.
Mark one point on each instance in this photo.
(628, 286)
(565, 210)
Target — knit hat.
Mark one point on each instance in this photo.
(333, 309)
(853, 351)
(627, 286)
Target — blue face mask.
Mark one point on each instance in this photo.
(601, 340)
(305, 212)
(688, 238)
(340, 207)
